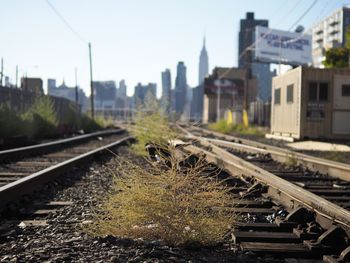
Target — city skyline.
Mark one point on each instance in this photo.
(134, 40)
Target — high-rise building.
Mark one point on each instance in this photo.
(122, 89)
(180, 88)
(329, 33)
(64, 91)
(261, 71)
(142, 91)
(33, 85)
(166, 89)
(51, 84)
(246, 38)
(203, 64)
(105, 94)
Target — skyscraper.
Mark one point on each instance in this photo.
(246, 38)
(245, 55)
(180, 88)
(166, 89)
(142, 91)
(203, 64)
(105, 94)
(122, 89)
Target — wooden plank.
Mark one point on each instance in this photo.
(274, 247)
(252, 210)
(13, 174)
(330, 192)
(306, 178)
(33, 223)
(253, 203)
(41, 212)
(33, 163)
(60, 203)
(61, 155)
(9, 179)
(263, 227)
(265, 236)
(337, 198)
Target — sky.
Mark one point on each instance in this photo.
(134, 40)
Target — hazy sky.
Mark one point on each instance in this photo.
(134, 39)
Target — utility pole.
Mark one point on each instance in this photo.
(16, 76)
(2, 70)
(91, 85)
(76, 88)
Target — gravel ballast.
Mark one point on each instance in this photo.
(63, 238)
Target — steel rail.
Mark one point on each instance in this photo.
(33, 149)
(295, 194)
(332, 168)
(13, 191)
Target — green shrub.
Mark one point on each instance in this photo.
(41, 118)
(223, 127)
(11, 123)
(150, 127)
(104, 122)
(292, 160)
(71, 119)
(88, 124)
(178, 206)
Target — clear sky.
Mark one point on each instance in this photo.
(134, 39)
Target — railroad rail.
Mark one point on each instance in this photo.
(332, 168)
(22, 170)
(318, 223)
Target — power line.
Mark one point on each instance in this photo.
(66, 22)
(250, 47)
(304, 14)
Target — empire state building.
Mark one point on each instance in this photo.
(203, 64)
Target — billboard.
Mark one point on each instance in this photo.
(277, 46)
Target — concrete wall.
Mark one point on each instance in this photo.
(20, 101)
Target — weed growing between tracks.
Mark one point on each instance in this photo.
(176, 199)
(150, 129)
(178, 205)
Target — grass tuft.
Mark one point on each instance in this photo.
(41, 118)
(179, 202)
(150, 127)
(223, 127)
(178, 206)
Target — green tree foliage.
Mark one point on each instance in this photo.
(337, 58)
(42, 117)
(11, 123)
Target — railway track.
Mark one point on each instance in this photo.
(289, 210)
(23, 170)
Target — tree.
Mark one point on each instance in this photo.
(337, 58)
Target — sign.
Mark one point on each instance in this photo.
(277, 46)
(227, 86)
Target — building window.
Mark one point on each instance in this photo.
(312, 91)
(323, 91)
(278, 96)
(290, 89)
(345, 90)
